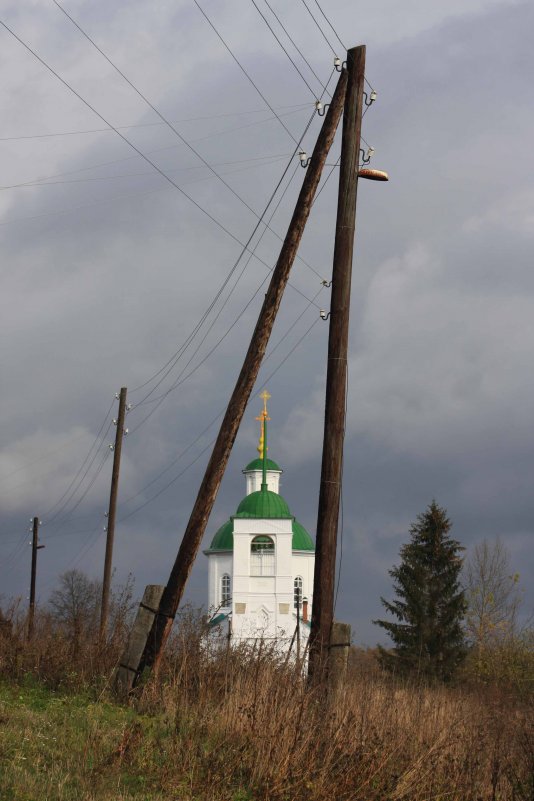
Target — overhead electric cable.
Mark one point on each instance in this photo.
(308, 9)
(203, 451)
(243, 70)
(150, 152)
(178, 353)
(295, 45)
(146, 124)
(62, 522)
(262, 15)
(330, 24)
(221, 412)
(134, 147)
(319, 28)
(93, 445)
(124, 138)
(179, 382)
(258, 161)
(158, 112)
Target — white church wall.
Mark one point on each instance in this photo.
(255, 478)
(218, 565)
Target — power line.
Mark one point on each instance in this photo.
(157, 111)
(150, 152)
(182, 348)
(61, 524)
(252, 163)
(179, 382)
(203, 451)
(124, 138)
(308, 9)
(243, 70)
(330, 24)
(134, 147)
(93, 445)
(262, 15)
(297, 48)
(321, 30)
(146, 124)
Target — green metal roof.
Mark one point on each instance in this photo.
(301, 539)
(257, 464)
(224, 538)
(263, 504)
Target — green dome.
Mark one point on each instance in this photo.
(263, 504)
(224, 538)
(257, 464)
(301, 539)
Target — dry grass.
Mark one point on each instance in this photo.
(238, 725)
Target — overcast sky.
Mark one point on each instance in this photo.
(107, 269)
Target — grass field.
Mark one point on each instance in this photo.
(241, 726)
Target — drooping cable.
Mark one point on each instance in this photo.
(264, 18)
(179, 381)
(243, 70)
(295, 45)
(144, 124)
(158, 112)
(125, 139)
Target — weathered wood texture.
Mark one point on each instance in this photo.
(338, 654)
(33, 579)
(336, 379)
(137, 639)
(245, 383)
(110, 535)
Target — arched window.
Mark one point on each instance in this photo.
(297, 592)
(262, 556)
(226, 595)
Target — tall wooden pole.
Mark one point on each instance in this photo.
(336, 379)
(245, 383)
(108, 560)
(35, 547)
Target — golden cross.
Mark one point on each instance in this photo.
(265, 397)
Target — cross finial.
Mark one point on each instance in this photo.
(265, 397)
(262, 449)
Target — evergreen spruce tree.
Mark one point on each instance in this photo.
(430, 605)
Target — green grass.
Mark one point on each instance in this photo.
(59, 747)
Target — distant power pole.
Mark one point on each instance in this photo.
(164, 615)
(35, 548)
(336, 379)
(106, 582)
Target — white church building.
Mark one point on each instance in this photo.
(261, 563)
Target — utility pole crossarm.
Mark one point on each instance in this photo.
(229, 427)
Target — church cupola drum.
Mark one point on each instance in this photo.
(261, 562)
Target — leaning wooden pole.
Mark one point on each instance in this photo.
(229, 427)
(336, 379)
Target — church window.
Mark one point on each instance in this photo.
(225, 590)
(262, 556)
(297, 592)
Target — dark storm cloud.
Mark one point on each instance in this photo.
(102, 293)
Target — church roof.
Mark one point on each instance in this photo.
(257, 464)
(263, 504)
(224, 538)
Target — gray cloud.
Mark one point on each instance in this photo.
(104, 279)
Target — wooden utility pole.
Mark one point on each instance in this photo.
(229, 427)
(336, 379)
(35, 547)
(106, 582)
